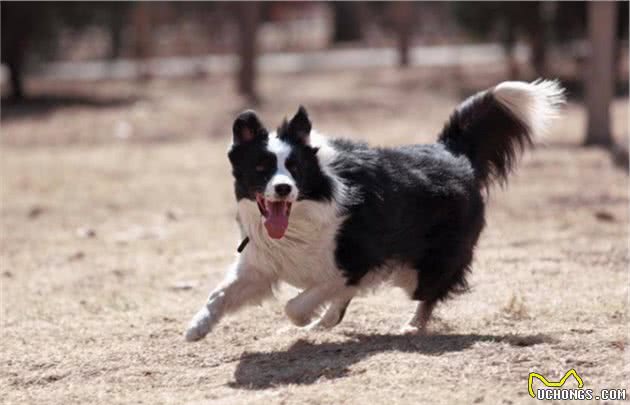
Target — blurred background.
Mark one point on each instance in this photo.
(117, 206)
(103, 55)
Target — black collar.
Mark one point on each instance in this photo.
(244, 243)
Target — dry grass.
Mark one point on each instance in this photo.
(108, 247)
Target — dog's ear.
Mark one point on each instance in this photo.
(248, 128)
(299, 128)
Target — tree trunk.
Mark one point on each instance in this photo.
(17, 83)
(599, 77)
(116, 27)
(508, 42)
(403, 18)
(347, 21)
(142, 38)
(248, 20)
(539, 54)
(16, 20)
(539, 33)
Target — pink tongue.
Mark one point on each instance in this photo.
(277, 220)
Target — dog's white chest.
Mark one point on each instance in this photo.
(304, 257)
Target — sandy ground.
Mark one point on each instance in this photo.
(117, 219)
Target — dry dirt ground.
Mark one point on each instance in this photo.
(117, 219)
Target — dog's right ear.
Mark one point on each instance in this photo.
(248, 128)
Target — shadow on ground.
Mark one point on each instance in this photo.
(45, 104)
(305, 362)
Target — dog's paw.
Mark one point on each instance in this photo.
(199, 326)
(410, 329)
(319, 326)
(295, 315)
(329, 320)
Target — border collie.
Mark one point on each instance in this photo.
(334, 217)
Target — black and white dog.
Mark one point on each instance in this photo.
(333, 217)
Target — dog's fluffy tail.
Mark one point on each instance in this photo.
(493, 127)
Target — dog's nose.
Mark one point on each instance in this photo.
(283, 190)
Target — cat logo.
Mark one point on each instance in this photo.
(553, 384)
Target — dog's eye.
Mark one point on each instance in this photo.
(261, 168)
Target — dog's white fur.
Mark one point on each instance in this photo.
(535, 104)
(282, 174)
(303, 258)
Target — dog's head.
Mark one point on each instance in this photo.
(278, 169)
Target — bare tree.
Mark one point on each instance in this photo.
(15, 39)
(402, 13)
(347, 21)
(508, 42)
(30, 30)
(248, 15)
(539, 28)
(599, 78)
(141, 20)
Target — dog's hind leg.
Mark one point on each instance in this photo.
(334, 312)
(420, 319)
(407, 279)
(242, 286)
(302, 308)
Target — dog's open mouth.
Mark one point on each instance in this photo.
(276, 214)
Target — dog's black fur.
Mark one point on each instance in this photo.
(423, 204)
(253, 165)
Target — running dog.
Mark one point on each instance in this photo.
(334, 217)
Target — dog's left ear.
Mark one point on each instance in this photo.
(299, 129)
(248, 128)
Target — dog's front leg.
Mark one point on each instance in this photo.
(243, 285)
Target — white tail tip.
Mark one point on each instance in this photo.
(536, 104)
